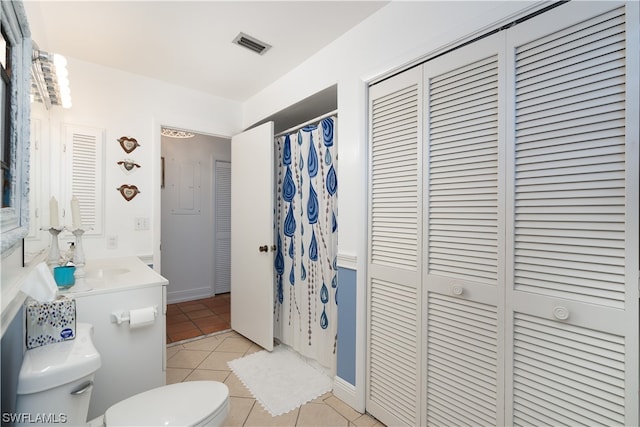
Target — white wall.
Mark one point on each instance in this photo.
(394, 36)
(399, 34)
(126, 104)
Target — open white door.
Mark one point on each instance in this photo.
(252, 194)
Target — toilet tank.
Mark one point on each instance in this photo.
(55, 381)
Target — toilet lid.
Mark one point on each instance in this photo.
(183, 404)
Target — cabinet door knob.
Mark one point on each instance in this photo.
(457, 290)
(561, 313)
(263, 248)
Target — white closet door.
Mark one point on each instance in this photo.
(464, 274)
(524, 298)
(573, 231)
(394, 321)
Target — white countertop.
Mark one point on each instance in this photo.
(115, 274)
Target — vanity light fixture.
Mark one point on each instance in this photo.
(176, 133)
(50, 79)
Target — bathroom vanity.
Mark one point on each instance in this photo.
(133, 353)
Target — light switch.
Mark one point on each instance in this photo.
(112, 242)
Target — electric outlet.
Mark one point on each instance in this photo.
(141, 223)
(112, 242)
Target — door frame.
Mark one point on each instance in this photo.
(156, 261)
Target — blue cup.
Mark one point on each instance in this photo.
(64, 276)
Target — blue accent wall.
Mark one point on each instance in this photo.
(346, 352)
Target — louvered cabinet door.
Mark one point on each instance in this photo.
(393, 369)
(463, 280)
(84, 171)
(573, 233)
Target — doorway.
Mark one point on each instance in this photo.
(193, 209)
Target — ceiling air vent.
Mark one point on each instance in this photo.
(251, 43)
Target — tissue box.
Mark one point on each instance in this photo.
(50, 322)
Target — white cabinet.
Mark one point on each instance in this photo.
(504, 228)
(133, 359)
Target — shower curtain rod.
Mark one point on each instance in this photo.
(317, 119)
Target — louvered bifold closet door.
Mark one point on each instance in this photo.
(464, 279)
(573, 232)
(222, 225)
(393, 368)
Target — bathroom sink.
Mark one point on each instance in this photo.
(105, 273)
(112, 274)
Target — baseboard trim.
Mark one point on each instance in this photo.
(347, 261)
(347, 393)
(189, 295)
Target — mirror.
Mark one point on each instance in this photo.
(49, 89)
(37, 240)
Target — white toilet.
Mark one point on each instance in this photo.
(55, 383)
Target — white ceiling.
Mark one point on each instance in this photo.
(189, 43)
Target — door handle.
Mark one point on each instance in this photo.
(263, 248)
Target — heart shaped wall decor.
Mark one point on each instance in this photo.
(128, 191)
(128, 165)
(128, 144)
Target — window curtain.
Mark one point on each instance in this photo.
(306, 235)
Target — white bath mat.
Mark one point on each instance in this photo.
(280, 380)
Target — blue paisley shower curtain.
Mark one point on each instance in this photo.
(306, 235)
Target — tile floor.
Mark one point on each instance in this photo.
(192, 319)
(206, 358)
(200, 342)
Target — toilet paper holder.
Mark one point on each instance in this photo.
(120, 316)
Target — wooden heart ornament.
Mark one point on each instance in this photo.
(128, 144)
(128, 191)
(128, 165)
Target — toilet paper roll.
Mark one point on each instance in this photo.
(142, 317)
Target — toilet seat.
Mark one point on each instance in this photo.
(190, 403)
